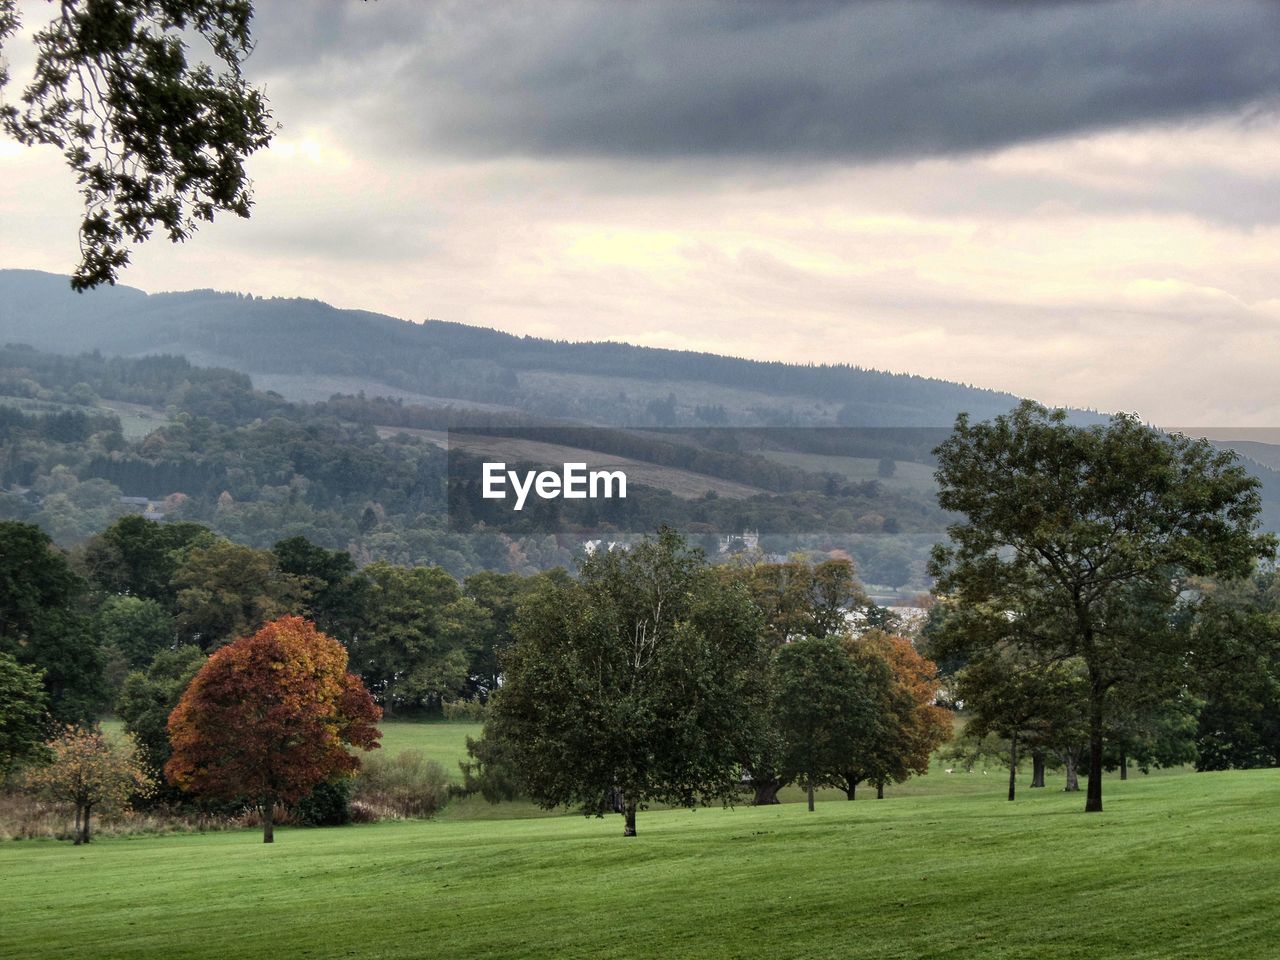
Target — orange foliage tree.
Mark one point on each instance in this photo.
(909, 726)
(90, 769)
(270, 717)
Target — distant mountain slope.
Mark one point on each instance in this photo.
(282, 341)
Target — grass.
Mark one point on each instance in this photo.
(445, 743)
(908, 477)
(1177, 866)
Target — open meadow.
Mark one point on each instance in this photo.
(1177, 866)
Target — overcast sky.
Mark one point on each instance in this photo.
(1075, 201)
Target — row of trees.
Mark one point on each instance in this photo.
(654, 677)
(1078, 590)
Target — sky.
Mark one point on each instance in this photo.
(1073, 200)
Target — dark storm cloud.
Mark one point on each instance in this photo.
(871, 80)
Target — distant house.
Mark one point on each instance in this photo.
(150, 510)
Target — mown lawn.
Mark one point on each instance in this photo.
(1177, 866)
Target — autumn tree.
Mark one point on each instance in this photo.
(154, 140)
(89, 768)
(803, 599)
(631, 685)
(1077, 542)
(270, 717)
(907, 725)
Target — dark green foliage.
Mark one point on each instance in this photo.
(334, 594)
(632, 685)
(410, 642)
(1076, 542)
(1239, 724)
(490, 772)
(154, 141)
(139, 628)
(149, 696)
(823, 706)
(23, 722)
(140, 557)
(42, 621)
(328, 805)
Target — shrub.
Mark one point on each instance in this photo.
(328, 805)
(464, 710)
(406, 785)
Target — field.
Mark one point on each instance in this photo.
(1177, 866)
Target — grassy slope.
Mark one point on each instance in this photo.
(1176, 866)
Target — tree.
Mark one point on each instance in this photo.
(632, 685)
(227, 590)
(1021, 700)
(1077, 541)
(800, 599)
(42, 620)
(22, 714)
(797, 599)
(154, 140)
(90, 769)
(139, 628)
(333, 592)
(149, 696)
(823, 705)
(139, 557)
(907, 725)
(410, 644)
(269, 718)
(1238, 638)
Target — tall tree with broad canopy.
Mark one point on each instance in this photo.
(22, 714)
(154, 140)
(631, 685)
(270, 717)
(43, 623)
(797, 599)
(824, 703)
(1077, 542)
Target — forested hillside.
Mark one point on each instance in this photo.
(87, 439)
(308, 350)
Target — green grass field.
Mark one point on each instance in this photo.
(1177, 866)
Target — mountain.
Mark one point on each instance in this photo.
(308, 350)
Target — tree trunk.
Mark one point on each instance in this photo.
(629, 830)
(879, 789)
(1073, 783)
(1124, 765)
(851, 791)
(268, 820)
(767, 792)
(810, 779)
(1013, 766)
(1037, 769)
(75, 835)
(1093, 798)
